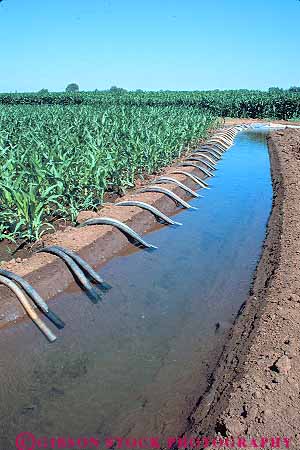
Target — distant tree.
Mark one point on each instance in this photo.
(43, 91)
(117, 90)
(294, 89)
(139, 91)
(72, 87)
(275, 89)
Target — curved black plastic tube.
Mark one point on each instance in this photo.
(33, 294)
(223, 140)
(225, 136)
(208, 149)
(75, 269)
(225, 132)
(211, 154)
(194, 158)
(169, 193)
(223, 147)
(204, 155)
(193, 177)
(216, 147)
(213, 149)
(93, 275)
(178, 183)
(158, 214)
(186, 164)
(14, 287)
(228, 131)
(129, 232)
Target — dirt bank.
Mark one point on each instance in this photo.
(255, 389)
(233, 121)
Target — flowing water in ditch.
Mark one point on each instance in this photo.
(136, 364)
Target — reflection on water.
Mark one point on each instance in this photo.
(135, 364)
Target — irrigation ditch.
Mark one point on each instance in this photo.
(254, 390)
(165, 193)
(230, 377)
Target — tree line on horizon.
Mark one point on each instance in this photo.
(74, 87)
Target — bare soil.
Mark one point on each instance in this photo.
(233, 121)
(255, 390)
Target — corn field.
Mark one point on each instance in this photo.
(238, 103)
(57, 160)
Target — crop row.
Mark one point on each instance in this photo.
(238, 103)
(58, 160)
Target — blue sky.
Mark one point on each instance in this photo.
(149, 44)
